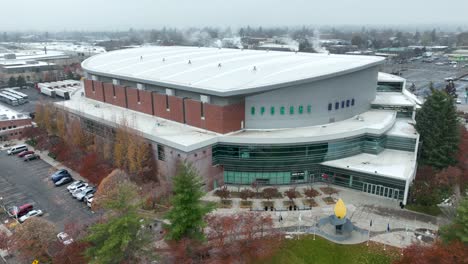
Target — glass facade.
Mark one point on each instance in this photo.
(290, 164)
(389, 87)
(402, 111)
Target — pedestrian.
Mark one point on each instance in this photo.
(281, 218)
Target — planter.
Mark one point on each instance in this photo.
(225, 204)
(246, 204)
(310, 202)
(329, 200)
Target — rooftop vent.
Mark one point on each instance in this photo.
(219, 65)
(189, 62)
(254, 68)
(164, 59)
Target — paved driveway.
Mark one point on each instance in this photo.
(28, 182)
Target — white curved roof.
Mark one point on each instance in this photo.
(222, 72)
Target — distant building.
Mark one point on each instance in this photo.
(12, 123)
(243, 116)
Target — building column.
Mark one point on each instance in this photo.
(350, 180)
(405, 197)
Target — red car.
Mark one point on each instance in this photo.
(24, 153)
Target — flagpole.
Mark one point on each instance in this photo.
(368, 232)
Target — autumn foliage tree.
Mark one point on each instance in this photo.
(455, 252)
(241, 238)
(33, 238)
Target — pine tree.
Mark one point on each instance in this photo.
(437, 124)
(20, 81)
(187, 212)
(12, 82)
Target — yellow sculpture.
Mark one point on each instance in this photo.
(340, 209)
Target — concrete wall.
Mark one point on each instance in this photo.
(200, 159)
(359, 85)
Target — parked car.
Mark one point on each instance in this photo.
(16, 211)
(31, 157)
(63, 181)
(64, 238)
(79, 196)
(78, 187)
(17, 149)
(458, 101)
(58, 175)
(88, 196)
(90, 202)
(24, 153)
(29, 215)
(74, 185)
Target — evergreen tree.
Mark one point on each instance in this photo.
(458, 230)
(437, 124)
(12, 82)
(187, 212)
(20, 81)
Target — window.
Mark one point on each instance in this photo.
(161, 154)
(282, 110)
(342, 104)
(309, 109)
(252, 110)
(167, 102)
(272, 110)
(262, 110)
(301, 109)
(291, 110)
(337, 105)
(352, 101)
(347, 103)
(329, 106)
(202, 110)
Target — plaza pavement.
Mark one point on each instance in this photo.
(405, 226)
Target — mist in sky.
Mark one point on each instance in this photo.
(56, 15)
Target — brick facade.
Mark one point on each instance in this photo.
(220, 119)
(13, 129)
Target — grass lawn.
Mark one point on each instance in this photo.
(430, 210)
(322, 251)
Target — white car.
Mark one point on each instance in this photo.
(90, 202)
(74, 185)
(64, 238)
(30, 214)
(79, 188)
(458, 101)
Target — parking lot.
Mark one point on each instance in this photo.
(29, 182)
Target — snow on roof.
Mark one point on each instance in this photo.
(222, 72)
(34, 55)
(166, 132)
(7, 113)
(375, 122)
(403, 127)
(389, 163)
(392, 98)
(188, 138)
(24, 64)
(387, 77)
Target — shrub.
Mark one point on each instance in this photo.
(271, 192)
(311, 192)
(222, 193)
(246, 194)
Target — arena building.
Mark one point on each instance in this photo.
(247, 115)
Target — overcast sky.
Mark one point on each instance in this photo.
(55, 15)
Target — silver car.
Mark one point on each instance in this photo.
(30, 214)
(85, 192)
